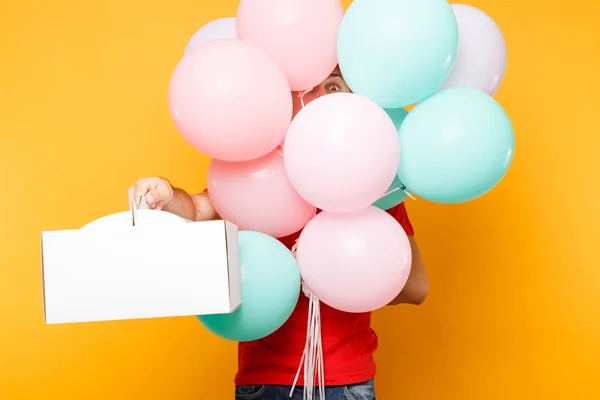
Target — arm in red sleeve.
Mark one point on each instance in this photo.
(417, 287)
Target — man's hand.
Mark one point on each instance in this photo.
(160, 195)
(156, 191)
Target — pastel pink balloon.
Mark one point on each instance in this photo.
(342, 152)
(256, 195)
(300, 35)
(356, 262)
(230, 100)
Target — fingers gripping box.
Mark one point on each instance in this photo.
(140, 264)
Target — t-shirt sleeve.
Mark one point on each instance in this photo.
(400, 215)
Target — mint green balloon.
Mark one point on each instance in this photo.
(394, 194)
(455, 146)
(270, 290)
(397, 52)
(397, 115)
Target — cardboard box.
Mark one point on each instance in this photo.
(140, 264)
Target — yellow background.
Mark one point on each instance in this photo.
(514, 308)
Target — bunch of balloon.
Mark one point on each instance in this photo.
(350, 155)
(346, 151)
(457, 143)
(230, 97)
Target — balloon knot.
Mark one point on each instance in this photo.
(301, 95)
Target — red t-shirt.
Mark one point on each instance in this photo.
(348, 342)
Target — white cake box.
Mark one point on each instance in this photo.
(140, 264)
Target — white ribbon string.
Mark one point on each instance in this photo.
(390, 191)
(301, 95)
(395, 189)
(312, 356)
(409, 194)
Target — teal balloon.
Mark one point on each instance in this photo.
(270, 290)
(397, 115)
(455, 146)
(397, 52)
(394, 195)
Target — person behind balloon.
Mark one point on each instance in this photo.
(267, 367)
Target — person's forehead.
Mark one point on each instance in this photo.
(336, 71)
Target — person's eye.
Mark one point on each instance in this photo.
(335, 84)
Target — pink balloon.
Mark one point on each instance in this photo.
(230, 100)
(355, 262)
(256, 195)
(342, 152)
(300, 35)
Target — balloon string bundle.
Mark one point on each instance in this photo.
(312, 356)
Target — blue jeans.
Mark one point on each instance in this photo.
(359, 391)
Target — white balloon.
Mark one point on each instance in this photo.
(481, 58)
(222, 28)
